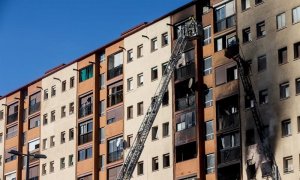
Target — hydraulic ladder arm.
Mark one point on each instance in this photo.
(190, 31)
(232, 52)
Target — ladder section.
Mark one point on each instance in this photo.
(190, 31)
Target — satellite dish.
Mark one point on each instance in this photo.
(191, 82)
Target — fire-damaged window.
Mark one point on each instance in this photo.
(186, 152)
(266, 169)
(250, 137)
(230, 140)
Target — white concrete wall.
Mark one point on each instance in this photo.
(144, 93)
(2, 131)
(276, 110)
(59, 125)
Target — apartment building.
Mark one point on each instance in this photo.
(2, 133)
(270, 41)
(148, 51)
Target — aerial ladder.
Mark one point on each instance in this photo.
(189, 31)
(232, 52)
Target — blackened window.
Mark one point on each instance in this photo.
(282, 55)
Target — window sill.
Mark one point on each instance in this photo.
(285, 136)
(165, 45)
(244, 10)
(288, 172)
(140, 85)
(129, 61)
(259, 3)
(293, 23)
(281, 64)
(153, 50)
(281, 28)
(260, 37)
(166, 136)
(139, 56)
(247, 42)
(166, 167)
(297, 58)
(129, 118)
(155, 139)
(140, 115)
(154, 79)
(282, 99)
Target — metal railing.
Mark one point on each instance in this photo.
(225, 23)
(115, 156)
(184, 103)
(85, 110)
(114, 72)
(115, 98)
(230, 154)
(34, 108)
(185, 72)
(12, 118)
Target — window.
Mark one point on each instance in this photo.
(250, 137)
(166, 160)
(140, 108)
(72, 81)
(63, 111)
(224, 41)
(129, 140)
(164, 39)
(85, 73)
(71, 108)
(245, 4)
(154, 46)
(282, 55)
(85, 105)
(232, 73)
(165, 128)
(140, 79)
(10, 157)
(163, 68)
(249, 103)
(296, 15)
(288, 164)
(44, 171)
(46, 94)
(115, 94)
(207, 66)
(45, 119)
(129, 55)
(52, 141)
(52, 116)
(115, 149)
(280, 19)
(102, 135)
(129, 84)
(260, 29)
(208, 97)
(207, 35)
(140, 168)
(297, 50)
(154, 133)
(11, 132)
(34, 122)
(52, 166)
(35, 103)
(71, 134)
(102, 162)
(115, 65)
(247, 35)
(63, 86)
(178, 28)
(261, 63)
(53, 91)
(62, 137)
(284, 90)
(165, 100)
(44, 144)
(130, 112)
(154, 73)
(187, 120)
(102, 80)
(85, 132)
(297, 84)
(102, 108)
(210, 163)
(155, 164)
(225, 16)
(140, 51)
(102, 56)
(258, 1)
(1, 136)
(298, 121)
(71, 161)
(23, 140)
(34, 145)
(263, 96)
(286, 128)
(62, 163)
(85, 154)
(209, 130)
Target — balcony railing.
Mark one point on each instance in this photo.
(186, 102)
(115, 156)
(115, 98)
(185, 72)
(85, 110)
(114, 72)
(12, 118)
(228, 122)
(230, 154)
(225, 23)
(185, 136)
(85, 138)
(34, 108)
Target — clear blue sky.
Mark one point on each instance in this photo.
(37, 35)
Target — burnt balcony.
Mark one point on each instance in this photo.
(85, 138)
(34, 107)
(185, 136)
(185, 72)
(115, 156)
(228, 122)
(85, 110)
(185, 102)
(232, 50)
(114, 72)
(115, 98)
(228, 155)
(225, 23)
(12, 118)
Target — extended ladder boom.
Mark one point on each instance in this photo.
(189, 31)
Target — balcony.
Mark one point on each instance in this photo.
(115, 98)
(12, 118)
(225, 23)
(114, 72)
(34, 108)
(185, 136)
(184, 103)
(85, 110)
(228, 122)
(229, 154)
(115, 156)
(185, 72)
(85, 138)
